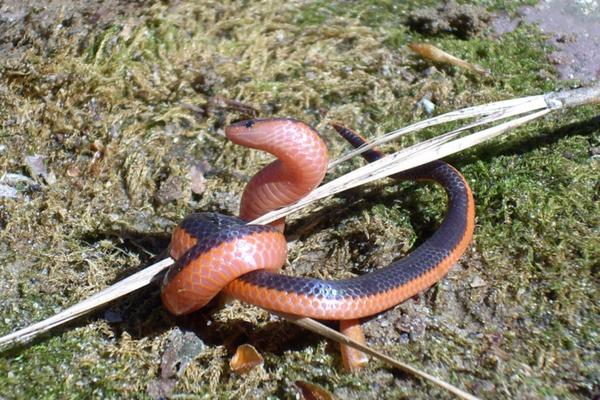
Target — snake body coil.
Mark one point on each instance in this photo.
(214, 252)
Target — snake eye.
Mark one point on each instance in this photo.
(249, 123)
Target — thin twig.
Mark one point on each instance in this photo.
(499, 109)
(317, 327)
(575, 97)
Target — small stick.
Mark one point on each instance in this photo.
(437, 55)
(575, 97)
(317, 327)
(490, 112)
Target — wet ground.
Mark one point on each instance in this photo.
(573, 29)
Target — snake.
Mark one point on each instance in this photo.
(216, 253)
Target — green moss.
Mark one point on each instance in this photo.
(75, 366)
(129, 106)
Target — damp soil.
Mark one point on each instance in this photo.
(572, 30)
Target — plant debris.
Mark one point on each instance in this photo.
(245, 359)
(463, 20)
(432, 53)
(310, 391)
(37, 168)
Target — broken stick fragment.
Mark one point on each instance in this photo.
(432, 53)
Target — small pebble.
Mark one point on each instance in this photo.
(8, 191)
(477, 282)
(37, 167)
(428, 106)
(197, 179)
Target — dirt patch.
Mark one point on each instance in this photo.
(463, 21)
(30, 24)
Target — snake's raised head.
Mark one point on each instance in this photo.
(301, 165)
(261, 132)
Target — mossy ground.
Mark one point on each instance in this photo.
(122, 110)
